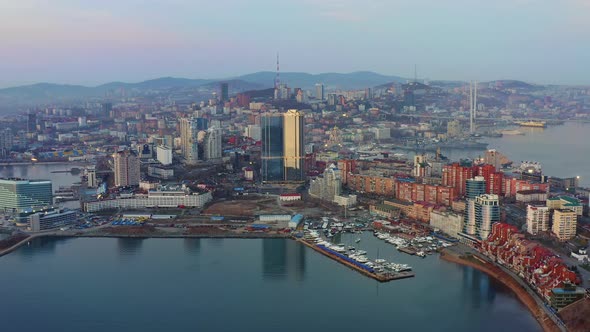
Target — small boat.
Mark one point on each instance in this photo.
(357, 240)
(361, 259)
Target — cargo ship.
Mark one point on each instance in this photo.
(537, 124)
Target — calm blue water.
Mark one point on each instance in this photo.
(562, 150)
(239, 285)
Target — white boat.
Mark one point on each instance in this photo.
(361, 259)
(421, 254)
(404, 267)
(357, 240)
(380, 261)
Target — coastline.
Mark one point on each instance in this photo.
(546, 323)
(28, 163)
(17, 245)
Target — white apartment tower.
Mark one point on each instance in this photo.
(188, 140)
(537, 219)
(212, 148)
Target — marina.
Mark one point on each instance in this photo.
(378, 269)
(420, 246)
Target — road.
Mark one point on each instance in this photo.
(463, 249)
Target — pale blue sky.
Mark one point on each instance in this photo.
(89, 42)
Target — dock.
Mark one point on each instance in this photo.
(381, 277)
(409, 251)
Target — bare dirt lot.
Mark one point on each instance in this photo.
(253, 206)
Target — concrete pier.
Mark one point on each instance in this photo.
(381, 277)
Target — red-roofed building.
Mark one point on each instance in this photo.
(537, 265)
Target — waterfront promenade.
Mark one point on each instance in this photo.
(464, 255)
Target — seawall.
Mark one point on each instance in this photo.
(16, 245)
(523, 296)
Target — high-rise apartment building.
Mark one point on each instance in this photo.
(481, 210)
(212, 144)
(494, 179)
(327, 186)
(319, 91)
(91, 180)
(19, 195)
(456, 175)
(6, 142)
(564, 224)
(282, 146)
(127, 168)
(189, 145)
(487, 212)
(537, 219)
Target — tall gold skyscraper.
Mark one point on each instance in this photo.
(293, 145)
(282, 146)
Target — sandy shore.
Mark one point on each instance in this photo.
(495, 272)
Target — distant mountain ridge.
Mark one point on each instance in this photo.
(40, 93)
(354, 80)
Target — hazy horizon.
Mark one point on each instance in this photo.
(90, 43)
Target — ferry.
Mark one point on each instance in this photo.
(538, 124)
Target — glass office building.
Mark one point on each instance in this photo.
(19, 195)
(282, 146)
(272, 133)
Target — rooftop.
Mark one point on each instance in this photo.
(530, 192)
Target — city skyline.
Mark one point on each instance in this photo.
(90, 43)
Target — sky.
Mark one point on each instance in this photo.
(97, 41)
